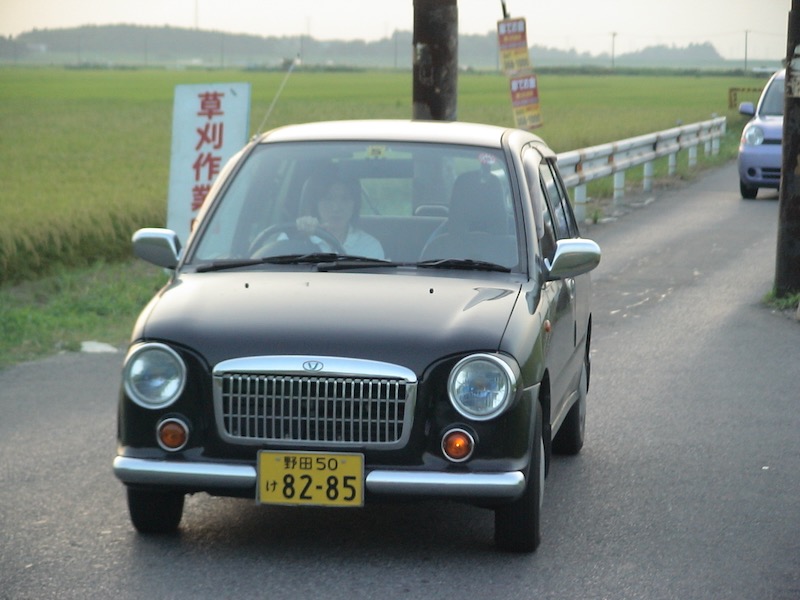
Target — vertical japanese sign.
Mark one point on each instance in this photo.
(525, 100)
(210, 123)
(512, 39)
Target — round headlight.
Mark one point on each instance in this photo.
(753, 135)
(154, 375)
(481, 386)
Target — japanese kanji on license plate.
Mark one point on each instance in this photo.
(310, 478)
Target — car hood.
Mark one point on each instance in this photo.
(405, 319)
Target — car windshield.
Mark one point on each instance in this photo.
(402, 203)
(772, 102)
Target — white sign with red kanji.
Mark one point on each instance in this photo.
(210, 123)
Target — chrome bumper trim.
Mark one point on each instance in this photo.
(450, 485)
(200, 475)
(505, 485)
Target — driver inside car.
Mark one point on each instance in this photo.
(334, 204)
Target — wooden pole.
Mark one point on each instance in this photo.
(435, 70)
(787, 263)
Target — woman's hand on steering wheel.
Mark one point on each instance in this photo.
(304, 227)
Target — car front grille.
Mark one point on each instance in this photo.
(313, 410)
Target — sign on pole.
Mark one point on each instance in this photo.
(210, 123)
(512, 39)
(525, 100)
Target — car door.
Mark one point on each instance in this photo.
(582, 283)
(556, 296)
(559, 221)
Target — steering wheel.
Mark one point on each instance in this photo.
(298, 241)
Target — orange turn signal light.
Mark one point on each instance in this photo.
(458, 445)
(172, 434)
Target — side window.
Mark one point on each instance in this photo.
(551, 189)
(541, 211)
(548, 239)
(565, 203)
(564, 210)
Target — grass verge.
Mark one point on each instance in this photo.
(58, 312)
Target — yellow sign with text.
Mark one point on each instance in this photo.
(513, 42)
(525, 100)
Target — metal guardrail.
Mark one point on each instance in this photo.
(578, 167)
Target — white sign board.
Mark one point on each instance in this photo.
(210, 123)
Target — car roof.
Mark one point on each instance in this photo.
(447, 132)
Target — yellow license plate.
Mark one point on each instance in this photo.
(310, 478)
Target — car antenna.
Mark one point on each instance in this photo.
(277, 94)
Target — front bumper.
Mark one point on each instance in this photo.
(217, 476)
(760, 166)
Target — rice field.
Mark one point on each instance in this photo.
(84, 155)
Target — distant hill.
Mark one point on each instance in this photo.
(130, 45)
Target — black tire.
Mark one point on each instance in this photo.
(748, 192)
(517, 525)
(569, 439)
(155, 512)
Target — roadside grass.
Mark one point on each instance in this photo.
(60, 311)
(787, 303)
(84, 157)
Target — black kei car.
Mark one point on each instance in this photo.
(365, 311)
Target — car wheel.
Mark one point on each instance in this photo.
(517, 525)
(155, 512)
(569, 439)
(749, 192)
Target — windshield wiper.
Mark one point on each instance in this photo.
(462, 263)
(342, 262)
(286, 259)
(330, 261)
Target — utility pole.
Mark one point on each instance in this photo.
(746, 33)
(613, 48)
(435, 60)
(787, 262)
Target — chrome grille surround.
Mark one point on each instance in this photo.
(308, 401)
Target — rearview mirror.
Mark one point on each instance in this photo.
(572, 258)
(160, 247)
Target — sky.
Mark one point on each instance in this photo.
(593, 26)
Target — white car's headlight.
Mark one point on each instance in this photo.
(481, 386)
(154, 375)
(753, 135)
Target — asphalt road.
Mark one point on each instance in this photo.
(688, 487)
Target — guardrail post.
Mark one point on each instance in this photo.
(619, 185)
(647, 183)
(673, 163)
(579, 197)
(692, 156)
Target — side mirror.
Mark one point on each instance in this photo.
(747, 108)
(160, 247)
(572, 258)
